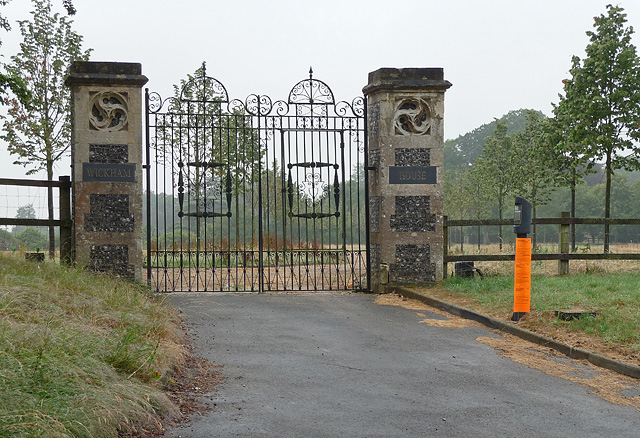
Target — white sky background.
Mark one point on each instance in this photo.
(500, 55)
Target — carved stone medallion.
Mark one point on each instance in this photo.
(109, 111)
(412, 117)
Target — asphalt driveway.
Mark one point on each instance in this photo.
(340, 365)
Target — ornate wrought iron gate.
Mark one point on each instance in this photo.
(256, 195)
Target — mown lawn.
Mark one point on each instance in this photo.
(614, 296)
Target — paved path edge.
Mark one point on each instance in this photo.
(511, 328)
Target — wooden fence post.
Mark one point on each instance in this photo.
(445, 245)
(563, 265)
(66, 244)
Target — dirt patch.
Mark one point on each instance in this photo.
(411, 304)
(453, 323)
(606, 384)
(407, 303)
(191, 380)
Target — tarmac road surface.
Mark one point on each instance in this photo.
(340, 365)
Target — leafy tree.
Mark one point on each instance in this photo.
(535, 163)
(494, 169)
(31, 239)
(24, 212)
(68, 5)
(602, 103)
(464, 150)
(571, 161)
(14, 83)
(39, 133)
(464, 198)
(7, 240)
(9, 82)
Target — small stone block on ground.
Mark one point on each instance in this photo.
(569, 315)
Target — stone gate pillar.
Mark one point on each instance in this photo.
(406, 137)
(106, 155)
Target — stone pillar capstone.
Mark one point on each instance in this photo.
(106, 156)
(406, 161)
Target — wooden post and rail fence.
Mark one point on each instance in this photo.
(563, 257)
(65, 222)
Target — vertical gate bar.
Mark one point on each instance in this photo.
(260, 212)
(148, 182)
(333, 254)
(359, 193)
(222, 121)
(355, 256)
(274, 167)
(225, 254)
(244, 207)
(328, 140)
(366, 195)
(164, 201)
(267, 213)
(284, 207)
(308, 208)
(173, 205)
(229, 184)
(344, 209)
(201, 187)
(299, 251)
(348, 253)
(290, 218)
(188, 203)
(347, 197)
(255, 275)
(205, 118)
(185, 252)
(231, 127)
(157, 215)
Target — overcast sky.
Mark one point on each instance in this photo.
(500, 55)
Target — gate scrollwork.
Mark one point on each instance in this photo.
(256, 194)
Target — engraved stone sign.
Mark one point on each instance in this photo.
(412, 175)
(109, 172)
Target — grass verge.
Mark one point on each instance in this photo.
(81, 355)
(614, 331)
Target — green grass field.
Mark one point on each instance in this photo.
(614, 296)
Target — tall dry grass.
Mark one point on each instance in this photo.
(81, 355)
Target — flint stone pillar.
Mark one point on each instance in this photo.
(406, 137)
(106, 156)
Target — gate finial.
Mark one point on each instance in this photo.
(310, 73)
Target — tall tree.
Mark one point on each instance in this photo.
(39, 133)
(602, 100)
(494, 169)
(464, 198)
(24, 212)
(535, 163)
(573, 162)
(9, 82)
(13, 83)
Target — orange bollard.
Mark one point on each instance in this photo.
(522, 283)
